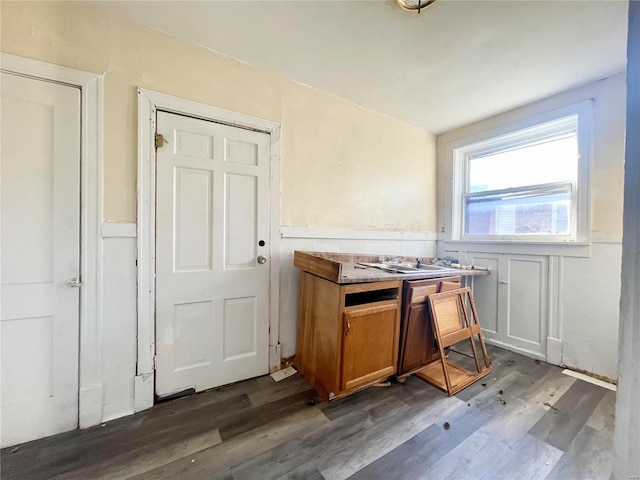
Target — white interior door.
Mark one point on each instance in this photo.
(212, 232)
(40, 252)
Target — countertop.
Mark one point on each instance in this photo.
(343, 268)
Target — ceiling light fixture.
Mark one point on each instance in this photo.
(415, 5)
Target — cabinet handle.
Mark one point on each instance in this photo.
(348, 328)
(504, 282)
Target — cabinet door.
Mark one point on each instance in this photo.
(512, 302)
(485, 293)
(525, 312)
(419, 338)
(370, 346)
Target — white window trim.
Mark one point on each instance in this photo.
(90, 356)
(512, 135)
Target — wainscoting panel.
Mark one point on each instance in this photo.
(118, 319)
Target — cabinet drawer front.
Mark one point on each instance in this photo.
(420, 294)
(446, 286)
(363, 311)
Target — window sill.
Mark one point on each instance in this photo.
(562, 249)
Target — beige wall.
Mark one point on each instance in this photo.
(342, 166)
(607, 154)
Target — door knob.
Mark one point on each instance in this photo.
(262, 259)
(74, 282)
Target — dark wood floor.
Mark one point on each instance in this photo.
(526, 420)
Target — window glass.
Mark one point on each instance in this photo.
(538, 214)
(551, 161)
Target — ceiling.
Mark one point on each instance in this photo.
(452, 64)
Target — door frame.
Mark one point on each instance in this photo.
(90, 341)
(149, 102)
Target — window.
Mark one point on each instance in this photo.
(527, 184)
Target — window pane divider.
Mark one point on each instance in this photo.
(521, 192)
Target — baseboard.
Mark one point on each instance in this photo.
(511, 348)
(604, 382)
(90, 405)
(275, 352)
(143, 388)
(554, 351)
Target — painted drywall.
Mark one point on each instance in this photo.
(589, 286)
(342, 166)
(589, 309)
(627, 426)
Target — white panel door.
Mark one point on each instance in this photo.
(212, 225)
(40, 252)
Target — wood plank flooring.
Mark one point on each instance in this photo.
(525, 420)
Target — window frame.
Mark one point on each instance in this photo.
(552, 124)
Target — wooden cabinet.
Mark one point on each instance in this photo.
(347, 334)
(417, 337)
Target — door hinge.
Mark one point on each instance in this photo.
(159, 140)
(155, 362)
